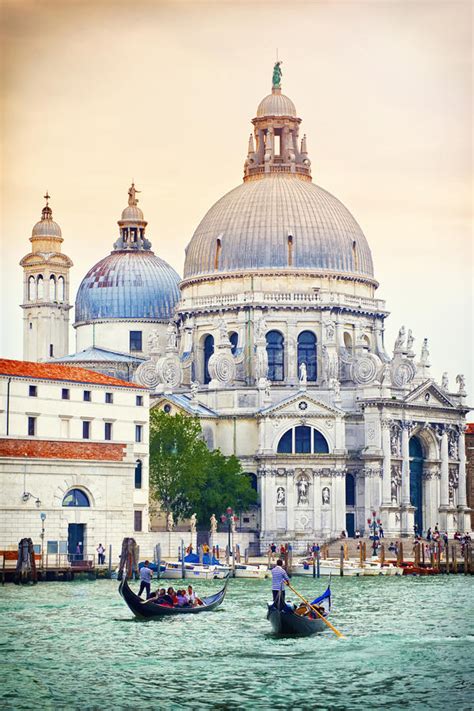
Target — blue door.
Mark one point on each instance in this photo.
(75, 541)
(416, 481)
(350, 524)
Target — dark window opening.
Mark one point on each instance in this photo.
(138, 474)
(234, 339)
(51, 350)
(108, 430)
(65, 394)
(307, 354)
(87, 395)
(320, 444)
(290, 250)
(135, 340)
(350, 490)
(208, 351)
(138, 433)
(275, 351)
(139, 400)
(303, 440)
(218, 253)
(109, 398)
(285, 445)
(31, 426)
(137, 520)
(33, 391)
(86, 429)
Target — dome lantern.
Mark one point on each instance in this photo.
(276, 128)
(132, 226)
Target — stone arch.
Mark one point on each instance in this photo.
(429, 443)
(293, 440)
(206, 346)
(75, 482)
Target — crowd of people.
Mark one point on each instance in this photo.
(170, 597)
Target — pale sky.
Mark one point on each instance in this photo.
(97, 93)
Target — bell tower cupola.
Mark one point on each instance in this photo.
(275, 146)
(45, 292)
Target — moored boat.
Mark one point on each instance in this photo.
(146, 609)
(326, 567)
(298, 621)
(174, 571)
(258, 572)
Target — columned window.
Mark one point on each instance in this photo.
(307, 354)
(276, 356)
(302, 440)
(208, 351)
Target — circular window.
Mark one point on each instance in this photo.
(303, 405)
(167, 408)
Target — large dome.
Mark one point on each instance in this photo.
(254, 222)
(128, 285)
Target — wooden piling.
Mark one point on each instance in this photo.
(382, 554)
(466, 559)
(454, 560)
(447, 559)
(341, 562)
(423, 553)
(346, 551)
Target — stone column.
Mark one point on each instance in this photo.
(444, 489)
(290, 501)
(406, 463)
(317, 524)
(387, 464)
(263, 503)
(462, 498)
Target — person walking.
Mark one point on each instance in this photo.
(146, 575)
(101, 554)
(279, 579)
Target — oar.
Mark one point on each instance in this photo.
(339, 634)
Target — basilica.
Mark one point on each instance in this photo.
(274, 338)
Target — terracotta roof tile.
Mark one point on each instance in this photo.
(50, 371)
(470, 428)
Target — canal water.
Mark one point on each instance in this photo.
(409, 644)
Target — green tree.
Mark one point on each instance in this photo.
(186, 478)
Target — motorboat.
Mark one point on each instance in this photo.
(244, 570)
(174, 571)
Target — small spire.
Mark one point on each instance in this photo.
(132, 195)
(47, 197)
(46, 213)
(251, 146)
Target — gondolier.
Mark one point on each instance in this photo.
(279, 579)
(146, 575)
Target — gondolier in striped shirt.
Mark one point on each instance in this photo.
(279, 580)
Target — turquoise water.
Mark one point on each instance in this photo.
(409, 643)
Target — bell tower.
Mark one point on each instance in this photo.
(45, 292)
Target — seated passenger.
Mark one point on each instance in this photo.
(191, 596)
(181, 600)
(160, 594)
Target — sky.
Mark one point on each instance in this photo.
(95, 94)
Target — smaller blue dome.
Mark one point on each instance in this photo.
(128, 285)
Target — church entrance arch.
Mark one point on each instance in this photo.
(416, 480)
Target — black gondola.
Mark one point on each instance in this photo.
(147, 609)
(286, 621)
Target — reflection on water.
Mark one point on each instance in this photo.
(409, 643)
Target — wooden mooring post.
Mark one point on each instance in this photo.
(346, 551)
(423, 553)
(341, 562)
(454, 560)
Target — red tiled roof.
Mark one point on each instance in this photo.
(470, 428)
(51, 371)
(55, 449)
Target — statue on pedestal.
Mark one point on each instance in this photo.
(213, 524)
(193, 522)
(169, 522)
(303, 374)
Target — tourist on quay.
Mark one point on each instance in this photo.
(445, 538)
(146, 575)
(279, 579)
(101, 554)
(428, 534)
(381, 533)
(273, 550)
(357, 533)
(79, 551)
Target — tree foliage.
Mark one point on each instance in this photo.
(187, 478)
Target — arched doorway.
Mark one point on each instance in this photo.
(416, 480)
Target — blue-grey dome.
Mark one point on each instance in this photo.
(250, 228)
(128, 285)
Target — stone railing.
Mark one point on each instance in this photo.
(322, 298)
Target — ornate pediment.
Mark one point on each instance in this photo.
(301, 404)
(429, 394)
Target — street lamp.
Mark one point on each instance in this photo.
(229, 517)
(374, 523)
(43, 519)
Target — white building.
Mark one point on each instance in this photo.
(73, 446)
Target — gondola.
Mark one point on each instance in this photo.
(147, 609)
(286, 621)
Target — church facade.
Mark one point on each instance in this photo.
(276, 342)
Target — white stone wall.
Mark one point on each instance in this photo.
(114, 335)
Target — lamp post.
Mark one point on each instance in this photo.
(229, 517)
(43, 519)
(374, 523)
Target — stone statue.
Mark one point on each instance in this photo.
(326, 495)
(330, 330)
(261, 362)
(222, 328)
(281, 496)
(132, 195)
(277, 74)
(410, 340)
(336, 386)
(213, 524)
(394, 490)
(232, 524)
(153, 342)
(445, 381)
(400, 341)
(170, 522)
(461, 382)
(192, 523)
(260, 327)
(194, 390)
(425, 354)
(171, 336)
(267, 388)
(385, 378)
(302, 488)
(303, 374)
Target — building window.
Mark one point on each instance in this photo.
(139, 401)
(108, 430)
(109, 398)
(39, 287)
(31, 426)
(135, 340)
(137, 520)
(138, 433)
(31, 288)
(65, 394)
(138, 474)
(234, 340)
(167, 408)
(276, 355)
(86, 429)
(307, 354)
(87, 395)
(51, 350)
(208, 351)
(60, 290)
(302, 440)
(33, 391)
(76, 497)
(52, 288)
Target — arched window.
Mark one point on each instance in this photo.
(253, 480)
(217, 254)
(208, 351)
(350, 490)
(302, 440)
(234, 339)
(307, 354)
(60, 289)
(138, 474)
(276, 356)
(76, 497)
(348, 341)
(39, 286)
(31, 288)
(52, 288)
